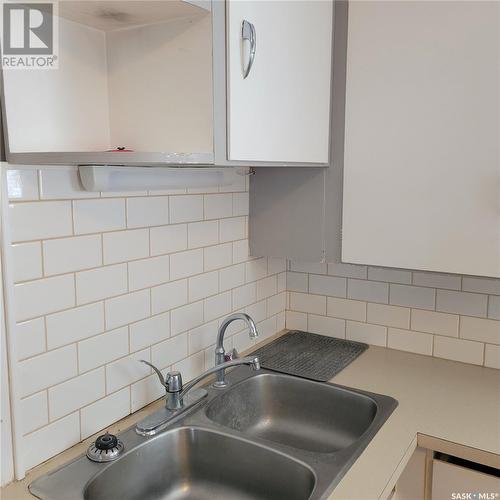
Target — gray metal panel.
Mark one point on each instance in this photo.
(334, 178)
(297, 212)
(286, 213)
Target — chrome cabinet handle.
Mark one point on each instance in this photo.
(248, 33)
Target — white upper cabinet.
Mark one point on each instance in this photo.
(279, 108)
(422, 147)
(150, 77)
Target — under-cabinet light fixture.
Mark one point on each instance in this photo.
(115, 178)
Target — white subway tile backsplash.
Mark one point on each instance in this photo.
(35, 412)
(72, 254)
(303, 302)
(244, 295)
(256, 269)
(122, 246)
(324, 325)
(101, 283)
(218, 206)
(187, 208)
(36, 298)
(95, 216)
(232, 229)
(389, 275)
(166, 353)
(148, 272)
(74, 324)
(373, 291)
(39, 220)
(202, 337)
(296, 320)
(381, 314)
(275, 304)
(267, 287)
(76, 393)
(168, 239)
(203, 234)
(297, 282)
(149, 331)
(27, 261)
(109, 258)
(232, 277)
(437, 280)
(186, 317)
(47, 369)
(168, 296)
(127, 309)
(22, 184)
(127, 370)
(471, 304)
(104, 412)
(203, 285)
(346, 309)
(241, 251)
(364, 332)
(147, 211)
(217, 256)
(347, 270)
(30, 338)
(482, 330)
(51, 440)
(481, 285)
(458, 350)
(186, 264)
(144, 392)
(240, 204)
(102, 349)
(327, 285)
(217, 306)
(407, 340)
(192, 366)
(308, 267)
(62, 183)
(434, 322)
(494, 307)
(492, 356)
(412, 296)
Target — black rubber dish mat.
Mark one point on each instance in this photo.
(309, 355)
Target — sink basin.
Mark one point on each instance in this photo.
(295, 412)
(200, 464)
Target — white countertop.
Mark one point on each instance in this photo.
(440, 403)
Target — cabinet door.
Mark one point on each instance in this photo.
(422, 154)
(448, 479)
(281, 111)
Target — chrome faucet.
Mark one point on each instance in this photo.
(180, 398)
(220, 353)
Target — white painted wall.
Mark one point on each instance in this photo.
(422, 150)
(66, 108)
(160, 86)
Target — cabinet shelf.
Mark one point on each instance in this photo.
(112, 158)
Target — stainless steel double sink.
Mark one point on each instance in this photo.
(267, 436)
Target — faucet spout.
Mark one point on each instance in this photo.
(219, 346)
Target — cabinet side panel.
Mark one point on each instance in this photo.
(286, 213)
(422, 155)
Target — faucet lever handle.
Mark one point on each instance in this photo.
(163, 382)
(231, 355)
